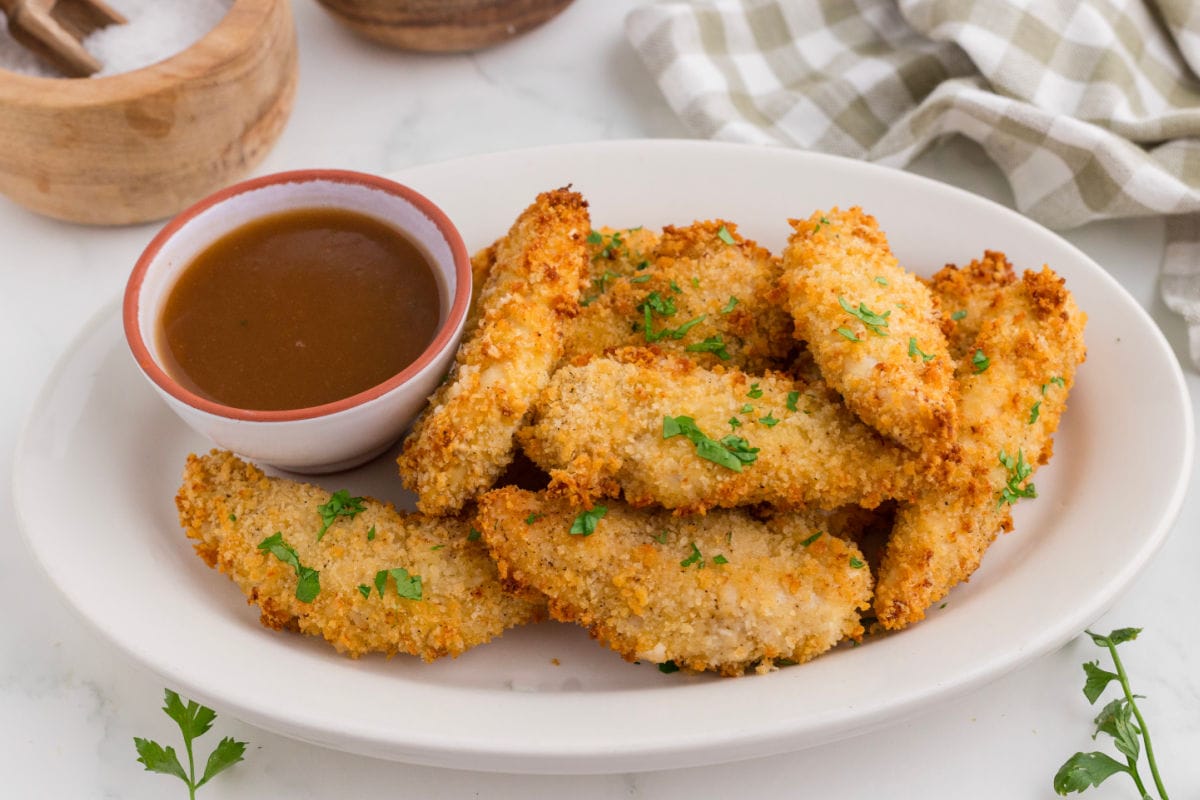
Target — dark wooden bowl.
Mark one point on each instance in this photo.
(442, 26)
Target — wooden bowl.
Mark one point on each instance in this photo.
(442, 26)
(145, 144)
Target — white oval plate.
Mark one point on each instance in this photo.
(99, 462)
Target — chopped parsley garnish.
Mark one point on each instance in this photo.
(364, 590)
(309, 584)
(729, 306)
(437, 547)
(532, 518)
(747, 408)
(754, 392)
(914, 351)
(371, 534)
(340, 504)
(980, 361)
(473, 535)
(595, 237)
(820, 222)
(725, 236)
(731, 452)
(957, 315)
(874, 322)
(734, 422)
(641, 265)
(694, 558)
(882, 281)
(792, 397)
(667, 667)
(658, 304)
(661, 538)
(585, 523)
(1018, 471)
(856, 563)
(1034, 411)
(769, 420)
(695, 282)
(713, 344)
(1057, 381)
(720, 559)
(849, 334)
(675, 287)
(811, 539)
(233, 517)
(407, 586)
(639, 279)
(612, 244)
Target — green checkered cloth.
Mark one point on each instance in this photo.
(1091, 108)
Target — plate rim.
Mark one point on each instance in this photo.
(563, 757)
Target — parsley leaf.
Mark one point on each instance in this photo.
(725, 236)
(729, 306)
(957, 315)
(914, 351)
(364, 590)
(856, 563)
(1018, 471)
(661, 538)
(754, 392)
(735, 423)
(1085, 770)
(822, 221)
(720, 559)
(194, 720)
(811, 539)
(532, 518)
(585, 523)
(694, 558)
(1034, 411)
(371, 534)
(309, 584)
(731, 452)
(980, 361)
(407, 586)
(340, 504)
(473, 535)
(882, 281)
(874, 322)
(849, 334)
(713, 344)
(769, 420)
(667, 667)
(792, 397)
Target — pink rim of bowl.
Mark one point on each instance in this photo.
(450, 324)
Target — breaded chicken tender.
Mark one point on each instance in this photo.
(1029, 343)
(964, 296)
(721, 592)
(871, 326)
(600, 427)
(702, 289)
(230, 507)
(464, 439)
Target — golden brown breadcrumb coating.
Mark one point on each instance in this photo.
(1031, 336)
(704, 289)
(598, 428)
(721, 592)
(229, 507)
(964, 296)
(871, 326)
(464, 439)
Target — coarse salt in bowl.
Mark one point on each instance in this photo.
(336, 435)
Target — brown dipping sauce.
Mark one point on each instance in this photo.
(298, 309)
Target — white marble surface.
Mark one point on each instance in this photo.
(70, 703)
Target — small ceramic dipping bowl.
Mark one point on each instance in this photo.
(337, 435)
(144, 144)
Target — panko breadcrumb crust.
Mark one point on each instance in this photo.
(228, 507)
(723, 592)
(897, 375)
(1031, 333)
(464, 439)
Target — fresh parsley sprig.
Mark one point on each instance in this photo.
(1117, 719)
(194, 720)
